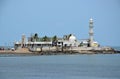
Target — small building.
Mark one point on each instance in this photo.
(37, 46)
(70, 42)
(95, 44)
(84, 43)
(17, 45)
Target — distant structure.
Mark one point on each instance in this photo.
(70, 42)
(35, 43)
(23, 41)
(91, 39)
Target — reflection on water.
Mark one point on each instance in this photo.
(61, 67)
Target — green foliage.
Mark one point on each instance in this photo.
(36, 37)
(45, 38)
(54, 38)
(66, 37)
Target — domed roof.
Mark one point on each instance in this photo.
(91, 20)
(72, 38)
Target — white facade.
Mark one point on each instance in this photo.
(72, 38)
(72, 41)
(91, 32)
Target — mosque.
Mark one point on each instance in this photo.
(67, 41)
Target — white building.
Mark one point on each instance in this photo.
(69, 41)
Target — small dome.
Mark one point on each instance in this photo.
(72, 38)
(17, 42)
(91, 20)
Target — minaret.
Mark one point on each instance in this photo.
(91, 32)
(23, 40)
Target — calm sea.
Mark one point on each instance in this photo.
(96, 66)
(117, 48)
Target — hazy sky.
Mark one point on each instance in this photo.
(60, 17)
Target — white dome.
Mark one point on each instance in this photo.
(91, 20)
(72, 38)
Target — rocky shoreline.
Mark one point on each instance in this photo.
(76, 50)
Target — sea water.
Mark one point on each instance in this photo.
(95, 66)
(117, 48)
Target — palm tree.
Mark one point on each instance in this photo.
(36, 37)
(54, 38)
(69, 36)
(45, 38)
(66, 37)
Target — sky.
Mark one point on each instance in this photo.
(60, 17)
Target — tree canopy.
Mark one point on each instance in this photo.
(45, 38)
(54, 38)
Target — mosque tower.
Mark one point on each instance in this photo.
(23, 40)
(91, 39)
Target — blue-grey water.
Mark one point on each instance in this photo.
(96, 66)
(117, 48)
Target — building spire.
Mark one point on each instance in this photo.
(91, 33)
(23, 40)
